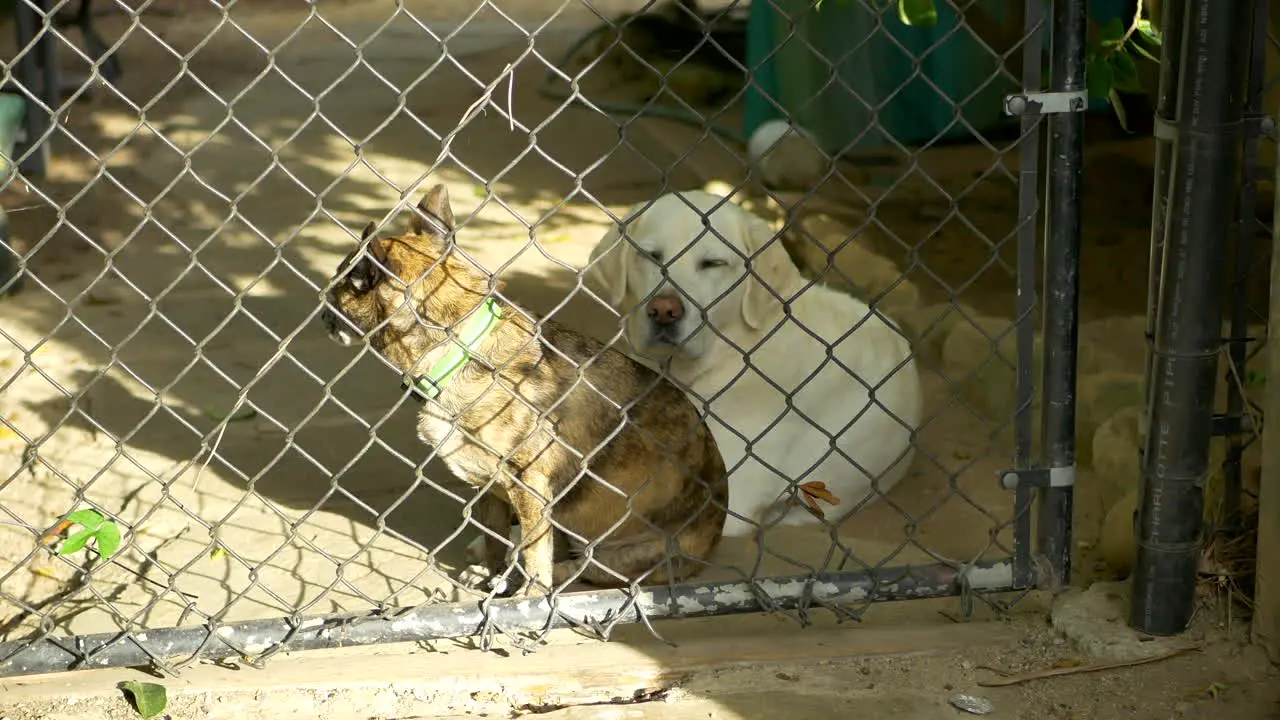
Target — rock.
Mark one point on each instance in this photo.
(1114, 453)
(786, 155)
(928, 326)
(1117, 545)
(855, 267)
(1099, 396)
(979, 356)
(1116, 343)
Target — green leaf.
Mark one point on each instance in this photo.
(1124, 72)
(1137, 47)
(75, 543)
(1098, 78)
(1112, 33)
(149, 699)
(1121, 114)
(108, 539)
(88, 518)
(918, 13)
(1148, 32)
(1255, 377)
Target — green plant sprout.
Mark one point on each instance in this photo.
(105, 533)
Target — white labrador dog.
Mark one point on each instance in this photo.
(720, 303)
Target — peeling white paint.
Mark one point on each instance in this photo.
(990, 578)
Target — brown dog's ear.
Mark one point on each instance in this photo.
(366, 273)
(434, 214)
(774, 272)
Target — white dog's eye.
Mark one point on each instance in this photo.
(712, 263)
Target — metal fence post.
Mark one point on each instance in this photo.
(1189, 318)
(1065, 168)
(1236, 421)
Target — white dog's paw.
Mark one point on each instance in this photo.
(478, 577)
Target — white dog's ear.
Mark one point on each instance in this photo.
(774, 273)
(607, 266)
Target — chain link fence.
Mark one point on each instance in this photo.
(851, 312)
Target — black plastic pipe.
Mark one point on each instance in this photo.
(1061, 291)
(601, 609)
(1166, 114)
(1188, 335)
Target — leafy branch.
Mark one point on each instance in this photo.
(1110, 66)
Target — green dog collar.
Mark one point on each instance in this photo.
(478, 327)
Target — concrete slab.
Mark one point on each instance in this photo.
(1095, 621)
(769, 669)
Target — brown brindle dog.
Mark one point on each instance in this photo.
(544, 421)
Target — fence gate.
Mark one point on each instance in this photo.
(225, 194)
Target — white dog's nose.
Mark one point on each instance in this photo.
(665, 309)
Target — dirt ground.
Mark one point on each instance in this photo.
(166, 362)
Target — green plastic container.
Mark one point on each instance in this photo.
(12, 113)
(857, 77)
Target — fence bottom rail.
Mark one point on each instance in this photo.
(598, 610)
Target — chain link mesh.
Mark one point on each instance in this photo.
(179, 225)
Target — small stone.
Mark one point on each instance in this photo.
(971, 704)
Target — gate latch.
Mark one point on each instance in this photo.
(1038, 477)
(1046, 103)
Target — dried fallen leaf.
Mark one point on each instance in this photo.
(1213, 690)
(1068, 662)
(819, 491)
(44, 572)
(812, 492)
(55, 533)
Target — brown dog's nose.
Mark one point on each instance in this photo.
(665, 309)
